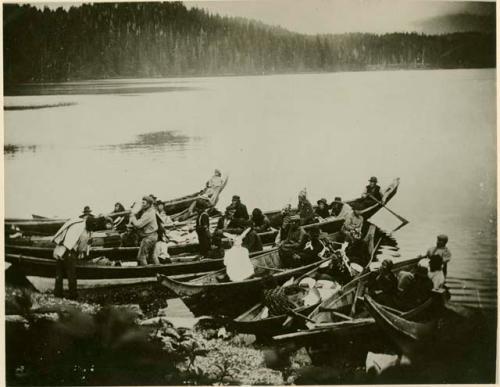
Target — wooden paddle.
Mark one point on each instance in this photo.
(403, 220)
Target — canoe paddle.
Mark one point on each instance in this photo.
(403, 220)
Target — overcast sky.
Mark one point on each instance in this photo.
(335, 16)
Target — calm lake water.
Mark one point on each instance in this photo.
(108, 141)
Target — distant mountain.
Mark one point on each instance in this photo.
(461, 22)
(139, 39)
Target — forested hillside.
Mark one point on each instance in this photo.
(166, 39)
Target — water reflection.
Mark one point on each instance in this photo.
(93, 89)
(155, 141)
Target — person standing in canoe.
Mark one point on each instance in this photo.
(372, 190)
(442, 250)
(72, 241)
(339, 209)
(214, 183)
(147, 226)
(203, 227)
(305, 209)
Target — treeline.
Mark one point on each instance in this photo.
(106, 40)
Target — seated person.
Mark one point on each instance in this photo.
(372, 190)
(384, 285)
(322, 209)
(314, 249)
(226, 222)
(414, 287)
(217, 249)
(240, 211)
(120, 222)
(352, 226)
(294, 242)
(260, 222)
(339, 209)
(305, 209)
(252, 240)
(282, 221)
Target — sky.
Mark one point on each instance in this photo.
(335, 16)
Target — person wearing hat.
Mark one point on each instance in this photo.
(441, 249)
(203, 227)
(225, 222)
(322, 209)
(305, 209)
(339, 209)
(314, 249)
(240, 212)
(87, 213)
(294, 242)
(372, 189)
(147, 227)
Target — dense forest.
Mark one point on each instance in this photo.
(107, 40)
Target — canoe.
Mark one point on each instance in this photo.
(337, 317)
(410, 336)
(252, 322)
(329, 226)
(43, 267)
(206, 295)
(176, 208)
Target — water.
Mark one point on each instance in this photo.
(274, 135)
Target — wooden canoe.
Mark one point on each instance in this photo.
(410, 336)
(334, 317)
(206, 295)
(252, 322)
(329, 226)
(176, 208)
(43, 267)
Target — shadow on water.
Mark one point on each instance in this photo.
(155, 141)
(11, 149)
(33, 107)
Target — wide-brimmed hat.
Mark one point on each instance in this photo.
(374, 179)
(322, 200)
(86, 211)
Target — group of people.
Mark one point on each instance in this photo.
(409, 289)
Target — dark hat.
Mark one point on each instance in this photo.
(442, 237)
(374, 179)
(236, 197)
(338, 199)
(322, 200)
(86, 211)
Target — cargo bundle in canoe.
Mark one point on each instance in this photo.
(341, 316)
(206, 295)
(177, 209)
(252, 321)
